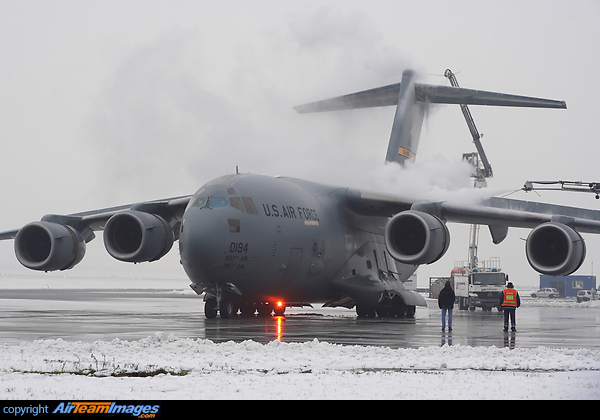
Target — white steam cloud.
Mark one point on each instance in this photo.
(177, 112)
(436, 179)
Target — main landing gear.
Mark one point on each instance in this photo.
(394, 308)
(211, 307)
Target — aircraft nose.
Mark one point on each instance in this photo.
(200, 239)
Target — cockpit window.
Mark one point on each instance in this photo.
(215, 202)
(249, 204)
(236, 203)
(243, 204)
(199, 202)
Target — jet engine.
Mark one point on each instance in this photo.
(555, 249)
(135, 236)
(47, 246)
(414, 237)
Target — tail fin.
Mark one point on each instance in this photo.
(411, 99)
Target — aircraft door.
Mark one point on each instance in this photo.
(292, 267)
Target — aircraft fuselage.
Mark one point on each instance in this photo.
(254, 238)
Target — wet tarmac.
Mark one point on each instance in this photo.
(90, 315)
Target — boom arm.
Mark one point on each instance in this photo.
(487, 168)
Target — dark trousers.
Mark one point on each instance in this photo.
(510, 312)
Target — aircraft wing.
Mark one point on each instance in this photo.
(138, 232)
(171, 209)
(10, 234)
(419, 235)
(370, 203)
(514, 213)
(492, 212)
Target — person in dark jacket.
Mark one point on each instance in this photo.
(510, 301)
(446, 303)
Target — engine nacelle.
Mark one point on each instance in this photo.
(47, 246)
(414, 237)
(555, 249)
(135, 236)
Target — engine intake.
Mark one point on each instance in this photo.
(414, 237)
(135, 236)
(47, 246)
(555, 249)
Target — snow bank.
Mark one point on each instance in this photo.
(169, 367)
(174, 355)
(560, 303)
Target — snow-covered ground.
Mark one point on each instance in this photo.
(167, 367)
(164, 366)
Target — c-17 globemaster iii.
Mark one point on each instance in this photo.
(253, 242)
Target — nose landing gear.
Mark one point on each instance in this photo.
(211, 307)
(226, 308)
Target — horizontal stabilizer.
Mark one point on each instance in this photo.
(461, 96)
(383, 96)
(388, 96)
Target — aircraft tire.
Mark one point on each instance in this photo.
(210, 308)
(384, 311)
(410, 311)
(226, 309)
(399, 308)
(363, 311)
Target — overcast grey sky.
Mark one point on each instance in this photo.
(110, 102)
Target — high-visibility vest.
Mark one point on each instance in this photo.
(510, 298)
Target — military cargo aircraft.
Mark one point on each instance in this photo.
(253, 243)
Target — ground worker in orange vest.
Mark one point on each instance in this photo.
(510, 301)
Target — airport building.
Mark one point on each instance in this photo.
(568, 286)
